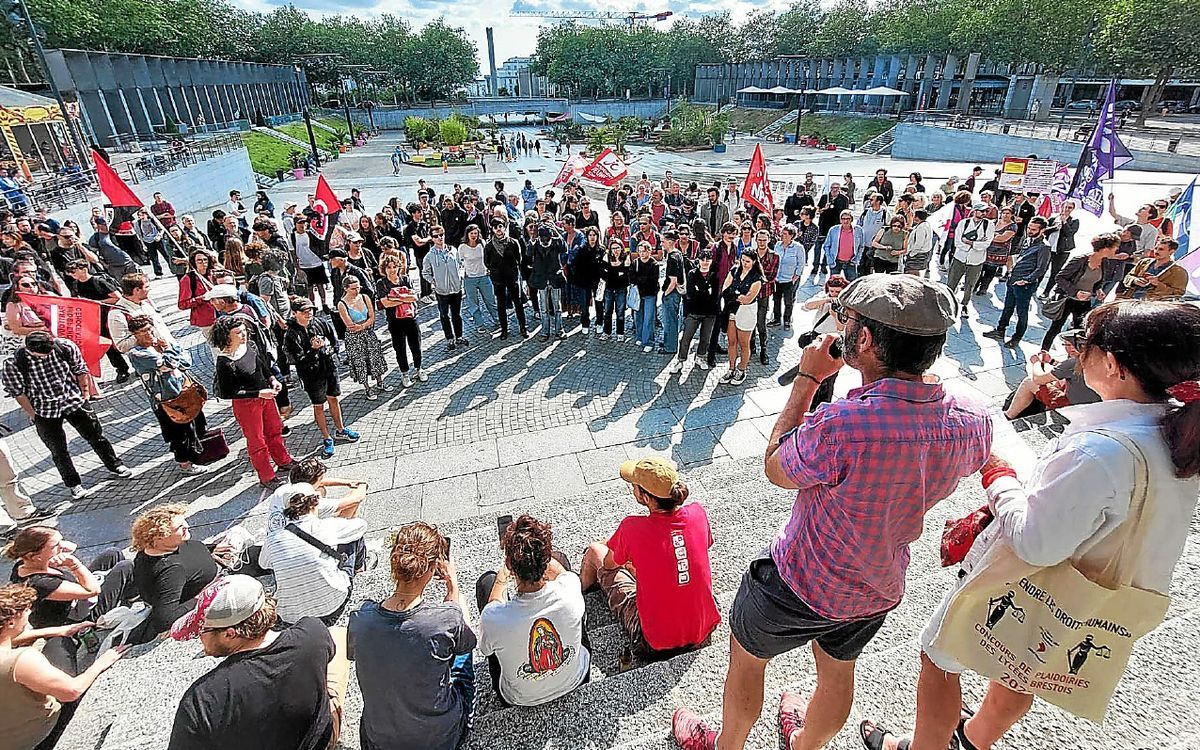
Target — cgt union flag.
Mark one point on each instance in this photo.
(607, 169)
(75, 319)
(757, 190)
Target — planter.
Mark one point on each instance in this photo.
(718, 148)
(341, 149)
(360, 142)
(298, 174)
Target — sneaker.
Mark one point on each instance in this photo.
(966, 312)
(524, 334)
(462, 341)
(738, 377)
(562, 334)
(121, 471)
(503, 337)
(421, 375)
(406, 379)
(676, 366)
(647, 349)
(620, 338)
(369, 563)
(372, 395)
(691, 732)
(605, 337)
(191, 470)
(285, 431)
(450, 345)
(78, 492)
(347, 434)
(792, 710)
(787, 325)
(774, 322)
(544, 337)
(727, 378)
(995, 334)
(387, 387)
(702, 363)
(585, 330)
(327, 447)
(41, 513)
(122, 378)
(271, 483)
(1013, 343)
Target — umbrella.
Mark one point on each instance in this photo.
(836, 91)
(752, 90)
(884, 91)
(781, 90)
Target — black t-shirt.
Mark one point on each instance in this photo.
(96, 287)
(383, 289)
(46, 613)
(273, 698)
(169, 583)
(675, 268)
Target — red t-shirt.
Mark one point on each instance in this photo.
(670, 554)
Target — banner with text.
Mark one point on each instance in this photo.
(757, 189)
(75, 319)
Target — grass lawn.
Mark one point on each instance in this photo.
(753, 120)
(268, 155)
(844, 130)
(297, 130)
(337, 123)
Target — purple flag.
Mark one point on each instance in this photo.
(1191, 264)
(1103, 154)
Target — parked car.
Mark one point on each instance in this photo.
(1179, 107)
(1127, 105)
(1082, 105)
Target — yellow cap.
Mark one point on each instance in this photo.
(654, 474)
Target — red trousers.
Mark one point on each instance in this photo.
(260, 423)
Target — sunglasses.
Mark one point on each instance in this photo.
(841, 313)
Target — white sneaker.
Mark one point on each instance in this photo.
(406, 379)
(371, 395)
(422, 376)
(191, 470)
(122, 471)
(701, 363)
(78, 492)
(620, 338)
(647, 349)
(586, 330)
(676, 365)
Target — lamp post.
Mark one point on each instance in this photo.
(799, 99)
(304, 109)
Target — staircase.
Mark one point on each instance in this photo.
(727, 108)
(788, 118)
(283, 137)
(880, 144)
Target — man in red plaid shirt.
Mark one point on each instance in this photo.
(866, 469)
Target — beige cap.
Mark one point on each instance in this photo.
(653, 474)
(907, 303)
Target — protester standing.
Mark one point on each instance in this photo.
(364, 352)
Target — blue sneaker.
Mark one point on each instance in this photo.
(327, 448)
(349, 435)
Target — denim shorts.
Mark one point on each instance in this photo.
(768, 619)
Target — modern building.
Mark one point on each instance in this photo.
(964, 83)
(123, 97)
(516, 78)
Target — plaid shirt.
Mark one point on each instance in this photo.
(770, 267)
(51, 383)
(868, 467)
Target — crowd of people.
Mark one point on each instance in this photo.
(297, 296)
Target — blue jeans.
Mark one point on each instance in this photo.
(669, 311)
(551, 299)
(847, 268)
(462, 682)
(644, 320)
(1017, 298)
(614, 301)
(480, 300)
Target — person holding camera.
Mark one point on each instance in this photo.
(825, 322)
(310, 342)
(865, 471)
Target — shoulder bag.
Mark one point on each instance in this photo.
(324, 548)
(1057, 632)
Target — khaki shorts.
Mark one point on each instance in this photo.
(620, 587)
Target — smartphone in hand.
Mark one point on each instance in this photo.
(502, 524)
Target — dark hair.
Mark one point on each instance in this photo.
(131, 282)
(300, 504)
(311, 470)
(138, 322)
(28, 541)
(40, 342)
(679, 496)
(219, 335)
(1159, 344)
(1106, 239)
(1039, 220)
(527, 545)
(262, 226)
(256, 625)
(898, 351)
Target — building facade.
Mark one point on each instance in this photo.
(964, 83)
(516, 78)
(122, 97)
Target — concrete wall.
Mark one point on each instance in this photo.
(926, 142)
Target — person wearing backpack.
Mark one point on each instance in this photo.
(972, 239)
(49, 380)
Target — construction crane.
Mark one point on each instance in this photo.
(632, 18)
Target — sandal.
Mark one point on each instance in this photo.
(873, 740)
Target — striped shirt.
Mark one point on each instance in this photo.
(867, 468)
(309, 582)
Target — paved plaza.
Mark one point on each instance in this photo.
(512, 426)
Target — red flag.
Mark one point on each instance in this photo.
(757, 189)
(324, 199)
(72, 318)
(607, 169)
(570, 168)
(113, 187)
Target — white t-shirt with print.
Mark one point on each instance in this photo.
(538, 638)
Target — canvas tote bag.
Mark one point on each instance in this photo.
(1055, 632)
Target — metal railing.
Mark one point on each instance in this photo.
(160, 156)
(1141, 139)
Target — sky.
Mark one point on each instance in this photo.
(513, 35)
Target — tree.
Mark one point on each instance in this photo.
(452, 131)
(1135, 37)
(439, 60)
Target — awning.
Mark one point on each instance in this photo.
(884, 91)
(781, 90)
(836, 91)
(752, 90)
(591, 118)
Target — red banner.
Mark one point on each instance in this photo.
(572, 167)
(324, 199)
(113, 187)
(757, 190)
(75, 319)
(607, 169)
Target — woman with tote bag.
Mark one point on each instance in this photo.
(1076, 564)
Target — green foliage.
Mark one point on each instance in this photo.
(695, 126)
(420, 129)
(453, 131)
(267, 155)
(844, 130)
(326, 141)
(565, 132)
